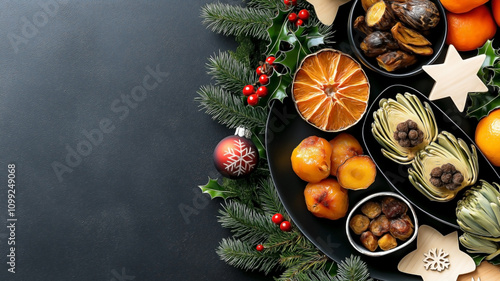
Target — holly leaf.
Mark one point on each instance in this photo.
(214, 189)
(299, 42)
(484, 103)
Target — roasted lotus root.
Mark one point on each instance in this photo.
(395, 60)
(378, 43)
(401, 228)
(380, 225)
(408, 134)
(446, 175)
(394, 209)
(371, 209)
(369, 240)
(387, 242)
(411, 41)
(380, 16)
(360, 24)
(359, 223)
(417, 14)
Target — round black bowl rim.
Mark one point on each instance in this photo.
(377, 69)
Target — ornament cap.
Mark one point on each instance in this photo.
(243, 132)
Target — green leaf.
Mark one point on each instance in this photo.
(478, 259)
(216, 190)
(491, 57)
(483, 104)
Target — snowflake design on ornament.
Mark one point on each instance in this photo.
(241, 158)
(436, 260)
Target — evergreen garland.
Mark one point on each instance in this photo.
(252, 201)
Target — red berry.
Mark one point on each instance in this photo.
(259, 70)
(304, 14)
(259, 247)
(292, 17)
(263, 79)
(287, 2)
(277, 218)
(294, 2)
(299, 22)
(253, 99)
(248, 90)
(261, 91)
(286, 226)
(270, 59)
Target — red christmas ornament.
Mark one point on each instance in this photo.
(236, 156)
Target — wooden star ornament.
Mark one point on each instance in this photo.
(326, 10)
(455, 78)
(437, 257)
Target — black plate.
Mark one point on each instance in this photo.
(397, 174)
(437, 36)
(285, 130)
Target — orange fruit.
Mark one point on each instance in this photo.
(311, 159)
(469, 31)
(495, 8)
(488, 137)
(461, 6)
(330, 90)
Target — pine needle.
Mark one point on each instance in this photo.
(229, 73)
(235, 20)
(229, 109)
(352, 269)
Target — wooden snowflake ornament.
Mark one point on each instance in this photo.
(326, 10)
(455, 78)
(437, 257)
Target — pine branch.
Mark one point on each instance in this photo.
(247, 224)
(229, 73)
(352, 268)
(229, 109)
(269, 198)
(244, 256)
(267, 4)
(234, 20)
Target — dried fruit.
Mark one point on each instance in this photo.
(395, 60)
(327, 199)
(360, 24)
(369, 241)
(344, 146)
(380, 225)
(378, 43)
(388, 117)
(411, 41)
(359, 223)
(311, 159)
(387, 242)
(330, 90)
(357, 172)
(401, 228)
(380, 16)
(371, 209)
(394, 208)
(446, 150)
(418, 14)
(368, 3)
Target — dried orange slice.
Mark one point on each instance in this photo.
(330, 90)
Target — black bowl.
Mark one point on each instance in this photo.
(437, 37)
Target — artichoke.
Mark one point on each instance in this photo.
(443, 152)
(388, 117)
(478, 215)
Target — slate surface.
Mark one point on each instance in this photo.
(97, 114)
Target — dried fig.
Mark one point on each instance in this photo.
(380, 225)
(359, 223)
(377, 43)
(418, 14)
(394, 209)
(401, 228)
(371, 209)
(411, 40)
(380, 16)
(387, 242)
(395, 60)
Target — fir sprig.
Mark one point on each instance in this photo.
(229, 109)
(267, 4)
(352, 269)
(229, 73)
(234, 20)
(269, 197)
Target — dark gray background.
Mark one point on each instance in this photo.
(118, 212)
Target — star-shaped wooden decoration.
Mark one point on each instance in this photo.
(428, 240)
(326, 10)
(455, 78)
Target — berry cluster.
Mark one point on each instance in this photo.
(263, 71)
(297, 18)
(284, 226)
